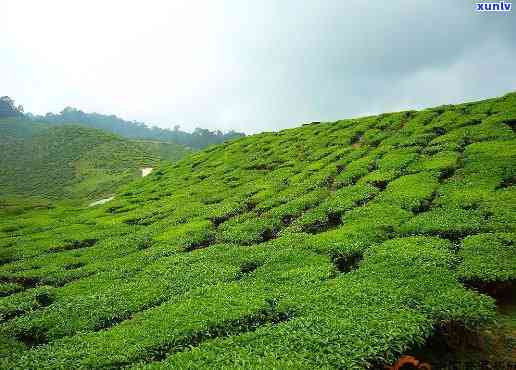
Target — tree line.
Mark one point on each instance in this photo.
(8, 107)
(199, 138)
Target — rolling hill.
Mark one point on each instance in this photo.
(198, 139)
(333, 245)
(71, 161)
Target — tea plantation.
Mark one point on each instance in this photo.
(333, 245)
(69, 161)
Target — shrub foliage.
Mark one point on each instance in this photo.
(333, 245)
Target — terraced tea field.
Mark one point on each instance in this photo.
(334, 245)
(70, 161)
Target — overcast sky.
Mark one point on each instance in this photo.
(251, 65)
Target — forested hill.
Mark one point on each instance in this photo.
(337, 245)
(200, 138)
(72, 161)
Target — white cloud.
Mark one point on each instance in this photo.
(249, 65)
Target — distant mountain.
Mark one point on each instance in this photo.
(72, 161)
(199, 139)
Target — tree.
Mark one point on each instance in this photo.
(8, 107)
(134, 129)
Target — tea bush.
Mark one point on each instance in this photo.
(334, 245)
(488, 257)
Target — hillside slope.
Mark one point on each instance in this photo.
(71, 161)
(333, 245)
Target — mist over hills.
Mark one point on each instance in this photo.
(198, 139)
(333, 245)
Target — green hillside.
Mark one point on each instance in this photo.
(334, 245)
(71, 161)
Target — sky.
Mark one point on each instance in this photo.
(251, 66)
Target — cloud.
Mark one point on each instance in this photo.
(252, 66)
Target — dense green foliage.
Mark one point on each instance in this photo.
(332, 245)
(8, 108)
(198, 139)
(71, 161)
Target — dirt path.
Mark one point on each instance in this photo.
(102, 201)
(146, 171)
